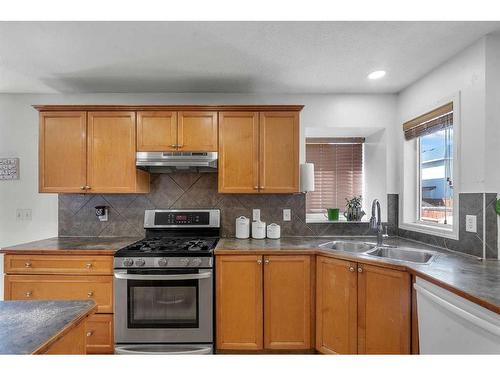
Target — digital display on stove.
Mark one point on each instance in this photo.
(182, 218)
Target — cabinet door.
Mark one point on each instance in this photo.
(238, 152)
(279, 152)
(99, 333)
(287, 302)
(239, 302)
(336, 306)
(62, 152)
(383, 310)
(156, 131)
(197, 131)
(111, 154)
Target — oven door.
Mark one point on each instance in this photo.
(163, 306)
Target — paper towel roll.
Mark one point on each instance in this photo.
(307, 177)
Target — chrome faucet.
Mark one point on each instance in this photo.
(376, 222)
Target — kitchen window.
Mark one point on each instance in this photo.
(430, 146)
(338, 173)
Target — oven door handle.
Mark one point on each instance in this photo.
(124, 350)
(189, 276)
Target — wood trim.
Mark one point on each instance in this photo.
(415, 345)
(428, 116)
(66, 330)
(223, 107)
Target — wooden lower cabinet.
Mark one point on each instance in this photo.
(264, 302)
(239, 302)
(99, 334)
(288, 299)
(361, 308)
(336, 306)
(384, 322)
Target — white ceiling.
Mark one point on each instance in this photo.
(244, 57)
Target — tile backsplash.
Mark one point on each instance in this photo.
(199, 190)
(188, 190)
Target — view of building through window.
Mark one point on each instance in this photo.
(436, 171)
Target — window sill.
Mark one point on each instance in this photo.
(431, 230)
(321, 219)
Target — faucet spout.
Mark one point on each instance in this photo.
(376, 222)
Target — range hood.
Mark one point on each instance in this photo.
(167, 162)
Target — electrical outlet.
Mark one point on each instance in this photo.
(471, 223)
(19, 214)
(287, 214)
(256, 214)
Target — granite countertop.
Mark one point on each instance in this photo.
(72, 245)
(470, 277)
(28, 326)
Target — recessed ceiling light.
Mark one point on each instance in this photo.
(376, 74)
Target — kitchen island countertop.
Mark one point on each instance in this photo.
(30, 327)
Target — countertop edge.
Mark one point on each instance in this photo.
(68, 327)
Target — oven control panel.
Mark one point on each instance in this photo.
(182, 218)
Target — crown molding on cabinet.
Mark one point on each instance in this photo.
(156, 107)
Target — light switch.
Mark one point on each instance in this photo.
(256, 214)
(471, 223)
(287, 214)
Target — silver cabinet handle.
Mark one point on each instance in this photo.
(351, 269)
(90, 333)
(27, 264)
(90, 294)
(82, 187)
(259, 261)
(360, 269)
(28, 294)
(266, 261)
(87, 187)
(88, 265)
(189, 276)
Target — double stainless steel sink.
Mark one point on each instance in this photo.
(385, 251)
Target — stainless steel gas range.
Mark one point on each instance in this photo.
(164, 285)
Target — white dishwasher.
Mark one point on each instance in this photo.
(449, 324)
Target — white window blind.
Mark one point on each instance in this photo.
(338, 172)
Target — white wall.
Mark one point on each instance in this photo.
(19, 135)
(464, 73)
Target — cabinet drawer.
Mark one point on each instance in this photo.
(99, 333)
(65, 264)
(39, 287)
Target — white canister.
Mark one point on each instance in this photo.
(258, 230)
(242, 227)
(273, 231)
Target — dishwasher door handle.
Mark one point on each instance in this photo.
(479, 322)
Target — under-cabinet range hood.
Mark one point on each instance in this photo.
(167, 162)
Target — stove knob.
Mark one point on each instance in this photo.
(183, 262)
(140, 262)
(162, 262)
(195, 262)
(127, 262)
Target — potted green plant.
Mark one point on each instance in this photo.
(353, 210)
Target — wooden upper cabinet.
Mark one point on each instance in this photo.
(239, 302)
(238, 152)
(383, 310)
(336, 306)
(156, 131)
(111, 154)
(197, 131)
(279, 152)
(62, 152)
(288, 297)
